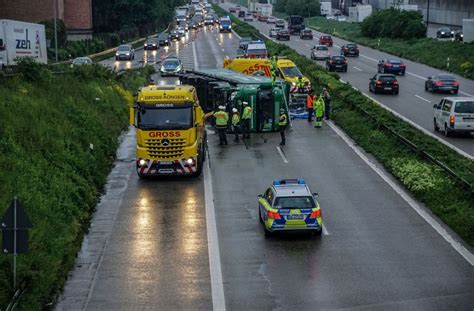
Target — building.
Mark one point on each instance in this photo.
(76, 14)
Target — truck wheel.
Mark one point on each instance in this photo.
(199, 166)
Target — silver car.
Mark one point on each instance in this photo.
(248, 18)
(320, 52)
(170, 66)
(273, 32)
(125, 51)
(81, 61)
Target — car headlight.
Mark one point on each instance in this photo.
(230, 26)
(117, 54)
(127, 54)
(442, 32)
(154, 44)
(162, 69)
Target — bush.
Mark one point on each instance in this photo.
(393, 23)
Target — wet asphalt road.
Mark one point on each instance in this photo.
(379, 254)
(413, 102)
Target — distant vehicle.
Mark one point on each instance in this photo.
(326, 8)
(444, 32)
(306, 34)
(174, 35)
(332, 17)
(186, 26)
(337, 13)
(225, 25)
(248, 17)
(262, 18)
(336, 63)
(241, 13)
(271, 20)
(21, 40)
(181, 19)
(295, 24)
(273, 32)
(233, 9)
(216, 18)
(454, 114)
(320, 52)
(181, 30)
(125, 51)
(79, 61)
(350, 49)
(384, 83)
(208, 21)
(243, 42)
(170, 66)
(394, 66)
(459, 36)
(280, 23)
(283, 34)
(442, 83)
(256, 49)
(326, 40)
(163, 39)
(289, 205)
(151, 44)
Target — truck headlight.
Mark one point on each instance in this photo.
(142, 162)
(293, 83)
(189, 162)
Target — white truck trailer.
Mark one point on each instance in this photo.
(20, 40)
(359, 12)
(326, 8)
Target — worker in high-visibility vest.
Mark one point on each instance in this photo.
(282, 123)
(310, 105)
(235, 123)
(301, 85)
(246, 117)
(222, 119)
(318, 111)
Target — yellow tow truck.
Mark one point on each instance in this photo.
(171, 139)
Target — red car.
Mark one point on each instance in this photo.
(325, 40)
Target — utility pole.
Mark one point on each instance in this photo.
(56, 28)
(428, 14)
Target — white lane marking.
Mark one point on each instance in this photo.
(415, 75)
(357, 68)
(236, 34)
(215, 268)
(467, 94)
(424, 99)
(223, 50)
(464, 252)
(372, 59)
(325, 231)
(196, 67)
(285, 160)
(419, 127)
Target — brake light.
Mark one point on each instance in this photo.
(402, 65)
(273, 215)
(315, 214)
(345, 62)
(395, 81)
(439, 83)
(455, 83)
(388, 65)
(451, 120)
(378, 82)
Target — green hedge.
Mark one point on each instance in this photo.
(428, 51)
(452, 203)
(48, 121)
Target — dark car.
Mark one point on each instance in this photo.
(442, 83)
(384, 83)
(325, 40)
(151, 44)
(444, 32)
(174, 35)
(306, 34)
(283, 35)
(241, 13)
(163, 39)
(395, 66)
(350, 49)
(459, 36)
(243, 42)
(336, 63)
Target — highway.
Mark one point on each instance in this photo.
(197, 244)
(413, 102)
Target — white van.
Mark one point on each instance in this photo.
(454, 114)
(256, 49)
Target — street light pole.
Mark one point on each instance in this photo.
(55, 29)
(428, 14)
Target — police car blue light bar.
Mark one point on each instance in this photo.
(280, 182)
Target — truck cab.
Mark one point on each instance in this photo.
(295, 24)
(170, 131)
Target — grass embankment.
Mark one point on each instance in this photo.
(428, 51)
(47, 123)
(450, 201)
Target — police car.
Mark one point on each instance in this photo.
(289, 205)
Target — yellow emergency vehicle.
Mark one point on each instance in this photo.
(286, 69)
(170, 131)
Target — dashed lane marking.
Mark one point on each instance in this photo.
(423, 99)
(356, 68)
(285, 160)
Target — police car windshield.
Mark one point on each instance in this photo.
(294, 202)
(291, 71)
(165, 118)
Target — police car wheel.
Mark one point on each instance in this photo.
(268, 234)
(260, 217)
(317, 233)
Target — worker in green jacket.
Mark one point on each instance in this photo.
(246, 120)
(222, 119)
(235, 123)
(318, 111)
(282, 123)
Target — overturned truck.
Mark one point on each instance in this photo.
(216, 87)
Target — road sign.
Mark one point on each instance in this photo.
(22, 220)
(8, 239)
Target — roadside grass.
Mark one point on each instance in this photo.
(429, 51)
(49, 122)
(365, 122)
